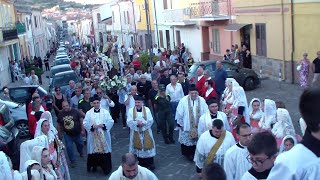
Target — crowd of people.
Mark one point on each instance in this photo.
(219, 131)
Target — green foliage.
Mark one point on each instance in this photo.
(38, 71)
(145, 60)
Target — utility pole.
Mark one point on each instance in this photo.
(149, 44)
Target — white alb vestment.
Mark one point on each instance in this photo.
(132, 124)
(235, 162)
(143, 174)
(205, 144)
(297, 164)
(248, 176)
(205, 122)
(183, 119)
(92, 118)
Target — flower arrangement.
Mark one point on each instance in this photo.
(115, 83)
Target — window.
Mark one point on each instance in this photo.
(124, 17)
(165, 4)
(261, 39)
(161, 38)
(141, 41)
(128, 18)
(35, 21)
(99, 17)
(216, 40)
(178, 38)
(27, 23)
(112, 16)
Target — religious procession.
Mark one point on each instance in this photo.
(223, 134)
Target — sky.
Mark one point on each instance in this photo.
(90, 1)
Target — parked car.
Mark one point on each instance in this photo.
(56, 69)
(62, 80)
(61, 61)
(9, 137)
(23, 93)
(247, 78)
(62, 56)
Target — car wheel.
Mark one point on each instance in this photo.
(23, 128)
(249, 84)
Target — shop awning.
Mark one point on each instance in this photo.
(235, 27)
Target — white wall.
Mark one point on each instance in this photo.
(191, 37)
(4, 67)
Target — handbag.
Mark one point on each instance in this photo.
(299, 67)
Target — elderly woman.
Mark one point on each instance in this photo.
(229, 99)
(41, 155)
(57, 157)
(283, 125)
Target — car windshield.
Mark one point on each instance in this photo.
(62, 61)
(57, 70)
(63, 79)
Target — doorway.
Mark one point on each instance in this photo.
(168, 39)
(245, 36)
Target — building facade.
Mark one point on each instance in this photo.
(40, 44)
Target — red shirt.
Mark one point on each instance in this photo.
(200, 85)
(136, 63)
(213, 94)
(73, 65)
(204, 89)
(32, 122)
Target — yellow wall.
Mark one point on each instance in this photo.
(278, 46)
(307, 25)
(142, 25)
(11, 10)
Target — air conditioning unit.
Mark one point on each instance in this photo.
(143, 6)
(187, 11)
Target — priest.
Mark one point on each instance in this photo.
(205, 121)
(303, 160)
(189, 110)
(141, 144)
(212, 146)
(98, 124)
(235, 159)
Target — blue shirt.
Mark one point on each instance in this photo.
(220, 77)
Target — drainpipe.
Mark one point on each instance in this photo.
(283, 44)
(155, 16)
(293, 41)
(134, 21)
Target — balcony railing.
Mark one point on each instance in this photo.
(21, 27)
(207, 9)
(7, 34)
(176, 16)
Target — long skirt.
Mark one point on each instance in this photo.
(102, 160)
(188, 150)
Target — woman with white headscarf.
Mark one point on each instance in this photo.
(269, 109)
(283, 125)
(41, 155)
(32, 170)
(287, 143)
(229, 99)
(44, 127)
(255, 113)
(27, 146)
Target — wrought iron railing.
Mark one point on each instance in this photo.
(210, 8)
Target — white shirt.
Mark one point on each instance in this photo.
(175, 92)
(131, 103)
(130, 51)
(105, 104)
(163, 63)
(235, 162)
(26, 80)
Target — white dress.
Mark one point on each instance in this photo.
(235, 162)
(132, 124)
(205, 144)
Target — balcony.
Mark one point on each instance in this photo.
(8, 33)
(178, 17)
(210, 10)
(21, 28)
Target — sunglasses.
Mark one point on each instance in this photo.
(57, 89)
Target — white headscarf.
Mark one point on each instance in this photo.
(47, 115)
(34, 173)
(5, 170)
(283, 125)
(37, 154)
(303, 126)
(29, 163)
(284, 139)
(39, 132)
(258, 114)
(27, 146)
(269, 114)
(240, 99)
(226, 92)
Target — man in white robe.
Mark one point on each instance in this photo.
(262, 154)
(235, 159)
(205, 121)
(98, 124)
(189, 110)
(142, 144)
(212, 146)
(130, 170)
(303, 160)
